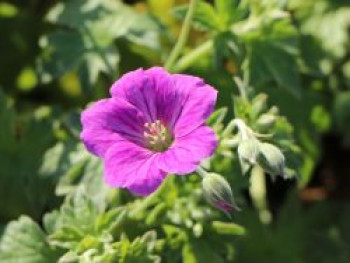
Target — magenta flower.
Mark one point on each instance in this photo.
(153, 125)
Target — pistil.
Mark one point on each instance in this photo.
(157, 135)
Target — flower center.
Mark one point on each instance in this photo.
(157, 135)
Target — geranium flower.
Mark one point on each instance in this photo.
(153, 125)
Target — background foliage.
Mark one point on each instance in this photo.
(292, 57)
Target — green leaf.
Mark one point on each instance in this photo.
(224, 7)
(241, 107)
(217, 117)
(70, 50)
(82, 216)
(258, 105)
(283, 68)
(140, 250)
(102, 18)
(75, 219)
(313, 56)
(86, 45)
(329, 18)
(199, 251)
(73, 166)
(24, 241)
(267, 62)
(205, 18)
(229, 11)
(188, 255)
(272, 51)
(23, 142)
(341, 113)
(227, 46)
(175, 235)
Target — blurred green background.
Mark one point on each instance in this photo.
(57, 56)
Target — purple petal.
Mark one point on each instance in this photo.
(98, 141)
(138, 88)
(170, 97)
(199, 104)
(108, 121)
(130, 166)
(182, 102)
(187, 151)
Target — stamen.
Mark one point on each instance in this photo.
(157, 136)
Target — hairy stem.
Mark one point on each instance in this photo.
(187, 60)
(241, 126)
(200, 170)
(241, 87)
(174, 54)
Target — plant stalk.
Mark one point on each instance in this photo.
(176, 51)
(189, 59)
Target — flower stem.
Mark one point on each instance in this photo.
(182, 38)
(187, 60)
(257, 190)
(241, 88)
(241, 126)
(200, 170)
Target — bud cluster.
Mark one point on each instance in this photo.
(254, 134)
(251, 151)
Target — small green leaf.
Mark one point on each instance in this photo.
(341, 113)
(227, 10)
(205, 17)
(272, 51)
(140, 250)
(227, 46)
(24, 241)
(23, 142)
(241, 107)
(267, 62)
(217, 117)
(110, 220)
(71, 50)
(85, 44)
(76, 218)
(329, 18)
(156, 214)
(199, 251)
(188, 255)
(259, 105)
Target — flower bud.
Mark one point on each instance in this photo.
(259, 104)
(271, 159)
(218, 193)
(248, 150)
(266, 120)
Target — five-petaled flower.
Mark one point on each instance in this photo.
(153, 125)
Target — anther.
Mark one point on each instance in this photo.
(157, 136)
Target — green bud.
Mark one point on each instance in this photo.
(271, 159)
(248, 150)
(259, 104)
(218, 193)
(266, 120)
